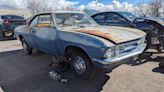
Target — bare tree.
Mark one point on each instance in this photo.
(154, 7)
(36, 6)
(142, 9)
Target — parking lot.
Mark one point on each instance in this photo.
(22, 73)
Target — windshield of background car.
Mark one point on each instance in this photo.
(128, 15)
(73, 19)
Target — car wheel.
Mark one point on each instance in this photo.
(26, 48)
(1, 35)
(82, 65)
(161, 64)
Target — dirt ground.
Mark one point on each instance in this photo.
(22, 73)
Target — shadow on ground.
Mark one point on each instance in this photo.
(22, 73)
(146, 57)
(158, 70)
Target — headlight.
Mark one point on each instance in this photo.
(142, 40)
(114, 51)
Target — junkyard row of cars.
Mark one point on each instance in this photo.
(106, 39)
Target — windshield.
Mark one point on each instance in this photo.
(128, 15)
(73, 19)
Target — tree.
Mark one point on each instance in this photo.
(142, 9)
(154, 7)
(36, 6)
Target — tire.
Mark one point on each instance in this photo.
(27, 50)
(81, 60)
(148, 41)
(161, 64)
(2, 34)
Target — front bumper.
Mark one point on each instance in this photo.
(120, 58)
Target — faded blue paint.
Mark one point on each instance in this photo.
(54, 41)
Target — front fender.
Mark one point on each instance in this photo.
(94, 46)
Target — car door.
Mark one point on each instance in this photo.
(45, 34)
(100, 18)
(114, 19)
(31, 29)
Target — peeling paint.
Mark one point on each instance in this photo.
(115, 34)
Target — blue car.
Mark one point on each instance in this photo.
(75, 38)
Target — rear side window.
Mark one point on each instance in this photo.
(99, 17)
(115, 18)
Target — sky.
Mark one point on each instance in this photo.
(85, 2)
(127, 5)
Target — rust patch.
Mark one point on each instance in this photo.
(98, 33)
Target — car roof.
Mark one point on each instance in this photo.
(107, 12)
(61, 12)
(10, 15)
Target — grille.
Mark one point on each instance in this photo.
(128, 47)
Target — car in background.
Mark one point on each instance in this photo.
(75, 38)
(8, 23)
(152, 26)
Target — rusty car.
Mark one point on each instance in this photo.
(75, 38)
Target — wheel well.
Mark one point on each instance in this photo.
(70, 49)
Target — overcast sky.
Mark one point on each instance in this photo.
(90, 4)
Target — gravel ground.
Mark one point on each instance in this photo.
(22, 73)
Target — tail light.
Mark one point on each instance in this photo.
(5, 22)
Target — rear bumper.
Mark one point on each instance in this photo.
(121, 58)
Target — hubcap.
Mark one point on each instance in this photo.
(79, 65)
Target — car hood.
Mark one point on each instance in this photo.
(112, 33)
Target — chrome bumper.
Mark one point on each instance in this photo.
(122, 56)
